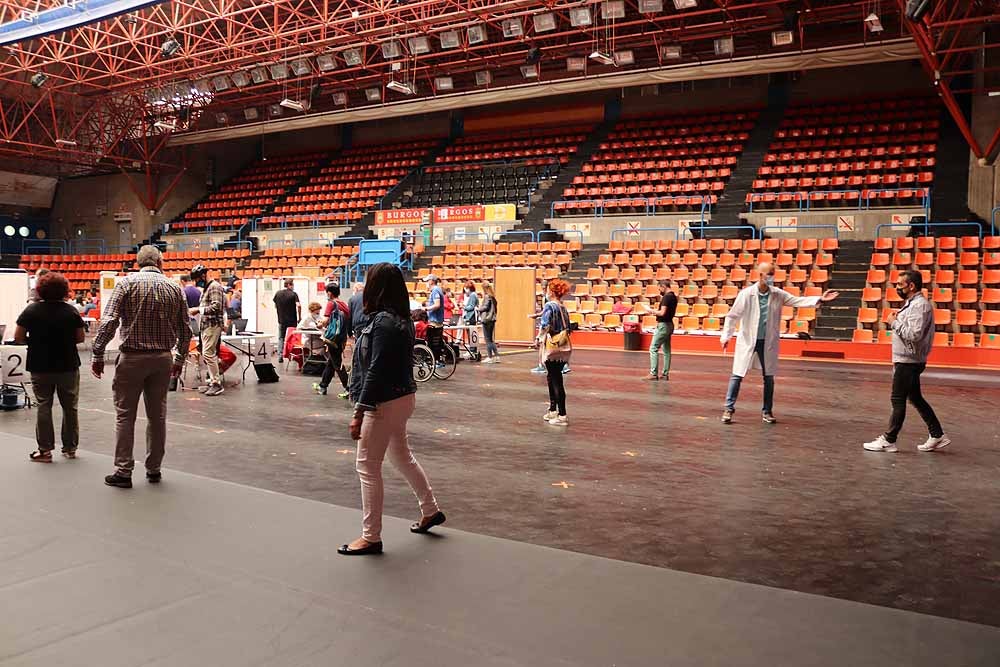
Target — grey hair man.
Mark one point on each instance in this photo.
(150, 312)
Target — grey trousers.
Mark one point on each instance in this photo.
(146, 375)
(67, 387)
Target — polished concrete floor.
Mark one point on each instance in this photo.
(196, 571)
(646, 473)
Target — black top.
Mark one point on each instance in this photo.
(383, 361)
(284, 303)
(356, 306)
(52, 327)
(670, 301)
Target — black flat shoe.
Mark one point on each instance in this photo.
(422, 527)
(372, 549)
(120, 481)
(154, 477)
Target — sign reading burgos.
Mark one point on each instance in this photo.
(476, 213)
(401, 216)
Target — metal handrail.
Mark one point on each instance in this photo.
(516, 232)
(757, 196)
(598, 206)
(638, 232)
(833, 192)
(77, 246)
(927, 225)
(49, 246)
(235, 244)
(562, 232)
(493, 163)
(702, 227)
(836, 232)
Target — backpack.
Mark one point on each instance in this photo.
(336, 332)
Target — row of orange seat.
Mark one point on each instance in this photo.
(941, 339)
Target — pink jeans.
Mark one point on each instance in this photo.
(384, 429)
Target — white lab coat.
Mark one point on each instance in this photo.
(746, 311)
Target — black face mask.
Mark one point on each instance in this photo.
(201, 283)
(903, 294)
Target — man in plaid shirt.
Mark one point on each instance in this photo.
(154, 320)
(213, 313)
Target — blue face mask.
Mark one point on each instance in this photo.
(769, 280)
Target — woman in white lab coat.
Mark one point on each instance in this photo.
(757, 339)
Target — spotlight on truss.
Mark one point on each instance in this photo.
(576, 64)
(544, 22)
(38, 79)
(874, 23)
(419, 45)
(580, 17)
(724, 46)
(352, 57)
(650, 6)
(251, 113)
(240, 79)
(483, 78)
(258, 74)
(670, 52)
(170, 47)
(301, 67)
(782, 38)
(373, 94)
(65, 142)
(477, 34)
(326, 63)
(340, 99)
(685, 4)
(444, 83)
(449, 39)
(221, 119)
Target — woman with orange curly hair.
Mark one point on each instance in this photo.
(554, 335)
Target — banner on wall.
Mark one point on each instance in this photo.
(447, 214)
(845, 223)
(582, 227)
(403, 216)
(779, 225)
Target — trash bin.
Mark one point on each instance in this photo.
(633, 336)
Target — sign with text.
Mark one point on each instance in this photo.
(779, 225)
(13, 358)
(901, 218)
(403, 215)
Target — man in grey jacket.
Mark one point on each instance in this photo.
(912, 336)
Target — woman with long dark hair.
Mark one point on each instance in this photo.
(384, 396)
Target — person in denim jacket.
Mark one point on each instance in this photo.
(384, 395)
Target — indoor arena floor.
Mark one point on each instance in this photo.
(794, 524)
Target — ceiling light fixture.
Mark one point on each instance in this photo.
(391, 49)
(449, 39)
(477, 34)
(221, 83)
(724, 46)
(221, 119)
(352, 57)
(251, 114)
(544, 22)
(340, 99)
(165, 126)
(258, 74)
(483, 78)
(602, 58)
(626, 57)
(580, 17)
(685, 4)
(65, 142)
(512, 28)
(373, 94)
(240, 79)
(576, 64)
(874, 23)
(326, 63)
(279, 71)
(170, 47)
(274, 110)
(650, 6)
(613, 9)
(301, 67)
(782, 38)
(294, 105)
(400, 87)
(419, 45)
(38, 79)
(670, 52)
(529, 71)
(444, 83)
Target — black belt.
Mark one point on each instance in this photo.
(126, 350)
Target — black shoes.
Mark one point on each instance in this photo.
(154, 477)
(424, 526)
(373, 548)
(120, 481)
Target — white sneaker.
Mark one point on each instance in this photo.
(559, 421)
(880, 444)
(551, 414)
(934, 444)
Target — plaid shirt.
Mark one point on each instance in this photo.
(213, 305)
(153, 314)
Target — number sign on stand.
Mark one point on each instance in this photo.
(14, 359)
